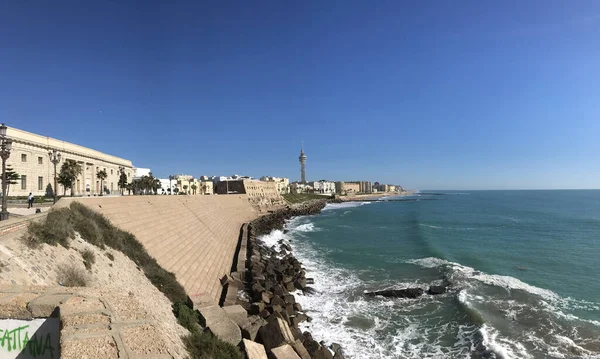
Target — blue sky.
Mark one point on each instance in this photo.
(427, 94)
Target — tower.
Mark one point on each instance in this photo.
(302, 160)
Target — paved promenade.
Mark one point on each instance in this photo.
(192, 236)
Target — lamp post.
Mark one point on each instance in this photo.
(55, 159)
(5, 147)
(170, 185)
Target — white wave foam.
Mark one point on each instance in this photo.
(272, 238)
(430, 226)
(507, 282)
(332, 206)
(307, 227)
(503, 348)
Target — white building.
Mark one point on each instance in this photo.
(297, 187)
(283, 184)
(325, 187)
(139, 172)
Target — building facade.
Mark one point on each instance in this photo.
(283, 184)
(29, 159)
(325, 187)
(298, 187)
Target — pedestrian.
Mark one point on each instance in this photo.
(30, 200)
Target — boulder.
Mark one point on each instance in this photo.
(275, 333)
(218, 322)
(297, 307)
(300, 349)
(398, 293)
(285, 351)
(300, 283)
(276, 300)
(257, 307)
(236, 313)
(436, 289)
(289, 298)
(254, 350)
(289, 286)
(251, 326)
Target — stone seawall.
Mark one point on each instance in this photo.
(274, 274)
(194, 237)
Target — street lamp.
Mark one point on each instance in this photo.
(5, 147)
(55, 159)
(170, 185)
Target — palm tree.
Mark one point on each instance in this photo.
(11, 177)
(185, 187)
(68, 174)
(176, 190)
(194, 187)
(101, 175)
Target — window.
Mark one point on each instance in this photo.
(23, 157)
(23, 181)
(111, 171)
(40, 160)
(40, 183)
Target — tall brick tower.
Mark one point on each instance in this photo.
(302, 159)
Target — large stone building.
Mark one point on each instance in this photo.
(29, 158)
(283, 184)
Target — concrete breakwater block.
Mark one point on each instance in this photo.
(284, 352)
(220, 324)
(254, 350)
(275, 333)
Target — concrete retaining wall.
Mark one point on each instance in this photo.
(194, 237)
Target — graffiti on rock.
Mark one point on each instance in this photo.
(28, 339)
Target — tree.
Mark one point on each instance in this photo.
(194, 188)
(101, 175)
(185, 187)
(122, 182)
(11, 177)
(49, 191)
(176, 190)
(68, 174)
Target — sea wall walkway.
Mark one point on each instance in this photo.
(194, 237)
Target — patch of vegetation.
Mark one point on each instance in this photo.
(57, 228)
(89, 258)
(71, 276)
(61, 224)
(204, 345)
(110, 256)
(303, 197)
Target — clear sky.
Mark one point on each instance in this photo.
(427, 94)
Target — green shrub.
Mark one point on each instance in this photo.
(204, 345)
(89, 258)
(71, 276)
(186, 316)
(57, 228)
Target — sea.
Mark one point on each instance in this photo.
(522, 269)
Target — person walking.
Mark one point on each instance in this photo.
(30, 200)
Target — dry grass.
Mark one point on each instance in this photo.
(71, 276)
(89, 258)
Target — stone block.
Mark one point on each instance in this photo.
(284, 352)
(300, 350)
(15, 306)
(275, 333)
(236, 313)
(219, 323)
(254, 350)
(44, 306)
(251, 327)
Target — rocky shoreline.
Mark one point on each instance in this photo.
(273, 275)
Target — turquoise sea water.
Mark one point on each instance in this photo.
(523, 269)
